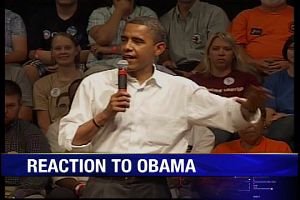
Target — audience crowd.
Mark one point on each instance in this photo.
(46, 59)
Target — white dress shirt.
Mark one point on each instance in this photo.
(202, 139)
(162, 111)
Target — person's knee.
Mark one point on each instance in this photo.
(282, 129)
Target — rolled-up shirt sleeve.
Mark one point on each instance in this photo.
(80, 112)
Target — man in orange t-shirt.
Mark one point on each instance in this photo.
(262, 31)
(252, 141)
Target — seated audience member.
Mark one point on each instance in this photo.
(65, 52)
(189, 25)
(252, 140)
(18, 75)
(262, 31)
(65, 16)
(280, 109)
(15, 39)
(224, 73)
(64, 187)
(63, 103)
(22, 137)
(104, 29)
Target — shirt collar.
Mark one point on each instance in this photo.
(156, 78)
(193, 10)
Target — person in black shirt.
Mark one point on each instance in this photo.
(65, 16)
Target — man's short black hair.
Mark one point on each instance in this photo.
(159, 32)
(12, 88)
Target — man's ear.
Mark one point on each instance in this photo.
(160, 47)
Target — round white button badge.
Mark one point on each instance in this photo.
(55, 92)
(228, 81)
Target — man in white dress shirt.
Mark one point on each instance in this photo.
(153, 116)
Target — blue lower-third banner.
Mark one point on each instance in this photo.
(149, 164)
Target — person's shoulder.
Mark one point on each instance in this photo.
(44, 13)
(11, 69)
(200, 75)
(16, 74)
(144, 11)
(281, 146)
(48, 79)
(102, 73)
(165, 69)
(248, 13)
(287, 11)
(29, 128)
(100, 76)
(207, 5)
(81, 14)
(177, 80)
(101, 10)
(144, 8)
(168, 15)
(277, 142)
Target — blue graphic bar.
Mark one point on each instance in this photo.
(149, 164)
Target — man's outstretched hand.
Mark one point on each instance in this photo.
(255, 98)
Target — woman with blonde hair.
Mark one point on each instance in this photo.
(238, 59)
(224, 72)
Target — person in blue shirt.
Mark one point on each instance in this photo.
(280, 109)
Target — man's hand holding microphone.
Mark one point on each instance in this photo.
(119, 101)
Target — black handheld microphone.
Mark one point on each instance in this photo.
(122, 75)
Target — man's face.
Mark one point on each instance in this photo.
(12, 108)
(272, 3)
(139, 48)
(64, 51)
(253, 133)
(221, 54)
